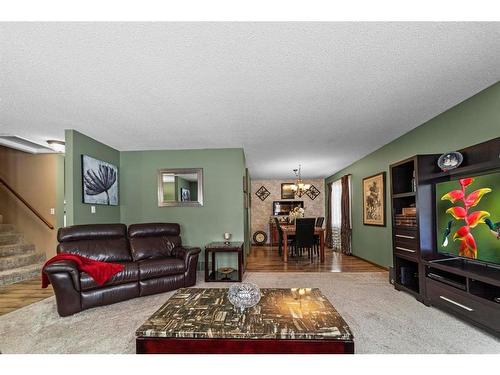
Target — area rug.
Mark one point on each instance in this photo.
(382, 319)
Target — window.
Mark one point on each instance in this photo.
(336, 209)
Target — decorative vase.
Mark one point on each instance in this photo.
(243, 295)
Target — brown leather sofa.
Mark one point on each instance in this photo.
(155, 261)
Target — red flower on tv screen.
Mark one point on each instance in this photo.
(462, 212)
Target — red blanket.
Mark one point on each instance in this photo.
(99, 271)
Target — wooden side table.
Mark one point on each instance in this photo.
(221, 247)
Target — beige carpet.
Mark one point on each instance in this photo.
(382, 320)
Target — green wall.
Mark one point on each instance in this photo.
(60, 190)
(475, 120)
(78, 144)
(222, 211)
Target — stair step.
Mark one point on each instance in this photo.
(17, 275)
(20, 260)
(21, 248)
(4, 228)
(10, 238)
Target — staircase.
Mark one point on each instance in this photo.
(19, 260)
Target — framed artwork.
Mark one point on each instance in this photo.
(262, 193)
(312, 192)
(374, 200)
(286, 190)
(99, 182)
(185, 195)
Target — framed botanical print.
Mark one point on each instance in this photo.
(286, 190)
(374, 200)
(99, 182)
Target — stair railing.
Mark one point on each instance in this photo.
(29, 206)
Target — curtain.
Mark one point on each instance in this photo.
(345, 221)
(336, 212)
(328, 239)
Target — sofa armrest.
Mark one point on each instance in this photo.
(65, 280)
(185, 253)
(190, 256)
(64, 266)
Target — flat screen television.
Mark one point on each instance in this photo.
(468, 217)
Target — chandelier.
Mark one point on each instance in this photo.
(299, 188)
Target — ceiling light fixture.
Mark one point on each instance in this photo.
(299, 187)
(57, 146)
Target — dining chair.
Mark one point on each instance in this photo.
(304, 236)
(319, 223)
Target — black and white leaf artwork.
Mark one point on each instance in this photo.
(100, 182)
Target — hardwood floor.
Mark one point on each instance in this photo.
(266, 258)
(15, 296)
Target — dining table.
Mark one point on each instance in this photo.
(289, 230)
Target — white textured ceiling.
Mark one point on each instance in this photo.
(322, 94)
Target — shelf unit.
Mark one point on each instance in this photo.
(404, 195)
(466, 288)
(407, 240)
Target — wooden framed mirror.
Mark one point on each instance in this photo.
(180, 187)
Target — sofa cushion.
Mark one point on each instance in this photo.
(102, 242)
(91, 232)
(153, 240)
(111, 250)
(161, 284)
(152, 247)
(152, 268)
(154, 230)
(129, 274)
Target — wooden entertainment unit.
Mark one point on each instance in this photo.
(466, 288)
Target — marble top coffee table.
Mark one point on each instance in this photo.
(200, 321)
